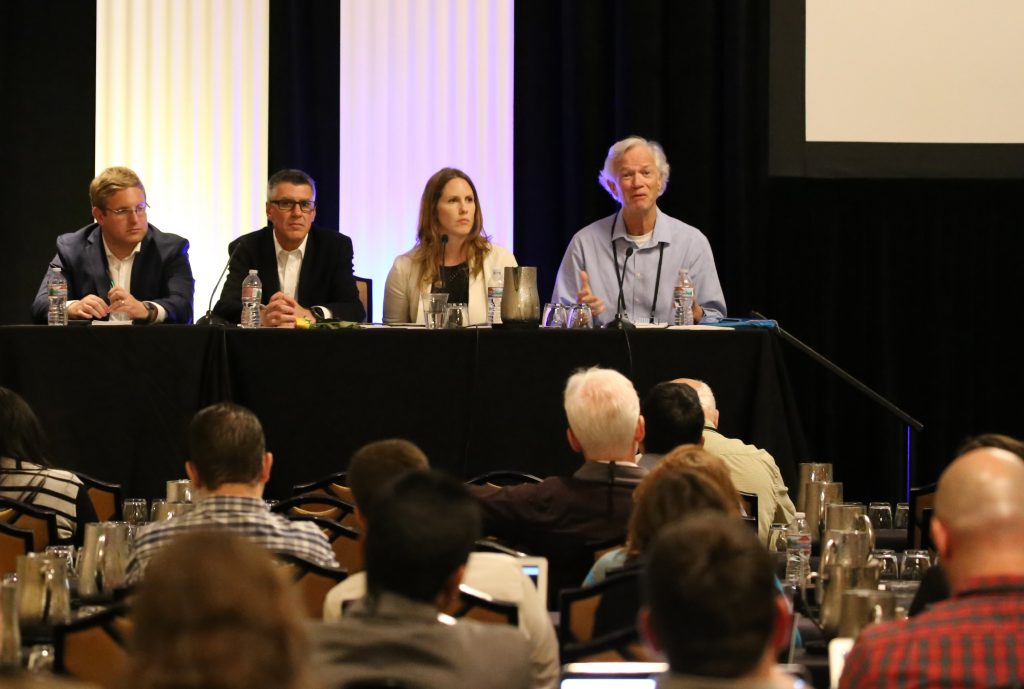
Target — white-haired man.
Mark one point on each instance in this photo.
(752, 469)
(562, 518)
(640, 244)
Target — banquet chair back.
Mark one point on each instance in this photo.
(364, 287)
(312, 582)
(503, 477)
(578, 607)
(333, 485)
(92, 649)
(482, 607)
(317, 506)
(41, 522)
(922, 503)
(345, 541)
(622, 646)
(105, 497)
(13, 542)
(748, 501)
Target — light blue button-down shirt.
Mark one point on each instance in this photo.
(684, 247)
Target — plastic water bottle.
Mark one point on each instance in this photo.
(252, 296)
(57, 290)
(682, 298)
(798, 552)
(495, 291)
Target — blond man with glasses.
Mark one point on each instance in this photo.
(121, 264)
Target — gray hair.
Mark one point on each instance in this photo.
(602, 407)
(706, 397)
(618, 149)
(296, 177)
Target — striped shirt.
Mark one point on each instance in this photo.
(52, 489)
(248, 517)
(974, 639)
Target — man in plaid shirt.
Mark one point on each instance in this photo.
(229, 465)
(975, 638)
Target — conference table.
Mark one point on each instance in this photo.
(116, 401)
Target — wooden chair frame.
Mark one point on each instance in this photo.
(40, 521)
(106, 498)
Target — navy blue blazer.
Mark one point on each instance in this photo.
(324, 280)
(161, 272)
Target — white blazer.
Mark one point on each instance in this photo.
(403, 288)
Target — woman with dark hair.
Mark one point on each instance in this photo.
(26, 474)
(452, 253)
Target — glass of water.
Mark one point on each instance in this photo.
(880, 514)
(902, 518)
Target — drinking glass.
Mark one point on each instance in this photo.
(902, 518)
(580, 317)
(880, 514)
(156, 507)
(433, 309)
(890, 563)
(456, 315)
(777, 538)
(915, 564)
(135, 511)
(40, 659)
(554, 316)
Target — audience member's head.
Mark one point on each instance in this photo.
(712, 465)
(978, 527)
(375, 464)
(706, 397)
(226, 446)
(712, 607)
(419, 537)
(214, 612)
(672, 417)
(604, 414)
(673, 490)
(997, 440)
(21, 434)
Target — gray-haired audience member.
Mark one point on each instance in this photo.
(712, 607)
(423, 527)
(370, 470)
(563, 518)
(752, 469)
(229, 466)
(635, 174)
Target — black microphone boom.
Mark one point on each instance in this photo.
(620, 322)
(440, 263)
(209, 318)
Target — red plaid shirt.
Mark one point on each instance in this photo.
(974, 639)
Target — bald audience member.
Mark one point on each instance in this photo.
(976, 638)
(752, 469)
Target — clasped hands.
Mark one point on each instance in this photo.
(121, 301)
(281, 312)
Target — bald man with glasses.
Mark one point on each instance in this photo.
(121, 264)
(306, 270)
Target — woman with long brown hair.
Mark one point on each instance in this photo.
(452, 253)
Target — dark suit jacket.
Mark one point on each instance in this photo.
(324, 280)
(161, 272)
(563, 519)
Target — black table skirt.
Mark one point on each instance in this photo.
(116, 401)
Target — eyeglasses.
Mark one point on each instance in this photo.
(125, 212)
(286, 205)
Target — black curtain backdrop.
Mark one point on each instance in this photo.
(909, 285)
(48, 78)
(305, 96)
(906, 284)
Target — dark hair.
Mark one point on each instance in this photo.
(673, 490)
(996, 440)
(672, 417)
(225, 445)
(296, 177)
(375, 464)
(214, 612)
(21, 434)
(711, 591)
(423, 528)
